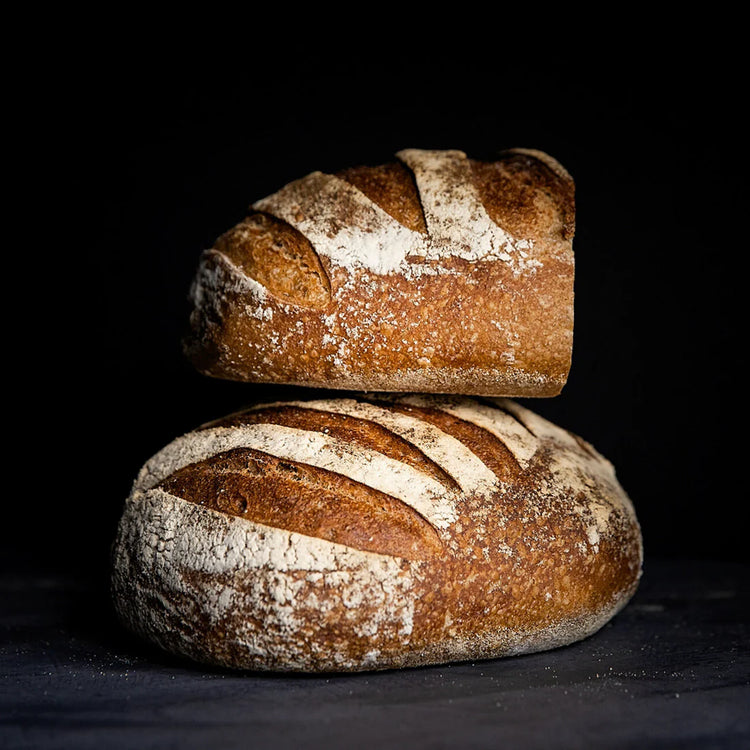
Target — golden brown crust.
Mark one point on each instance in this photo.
(392, 187)
(525, 195)
(292, 496)
(349, 288)
(342, 427)
(279, 258)
(279, 541)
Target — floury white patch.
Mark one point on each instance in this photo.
(352, 231)
(369, 259)
(427, 496)
(450, 454)
(539, 559)
(206, 566)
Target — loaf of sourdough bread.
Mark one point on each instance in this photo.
(434, 273)
(373, 531)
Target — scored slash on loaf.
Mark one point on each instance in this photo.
(427, 518)
(372, 532)
(433, 273)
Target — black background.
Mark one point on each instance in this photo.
(131, 163)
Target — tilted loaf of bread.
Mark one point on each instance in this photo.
(371, 532)
(434, 273)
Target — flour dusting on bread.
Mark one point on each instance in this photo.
(363, 298)
(518, 536)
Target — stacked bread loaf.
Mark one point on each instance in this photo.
(404, 510)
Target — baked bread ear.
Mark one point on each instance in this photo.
(434, 273)
(346, 534)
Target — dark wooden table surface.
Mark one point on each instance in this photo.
(671, 671)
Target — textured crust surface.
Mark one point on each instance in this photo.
(436, 273)
(374, 532)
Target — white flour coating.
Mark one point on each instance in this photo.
(577, 465)
(385, 286)
(352, 231)
(213, 281)
(424, 494)
(519, 441)
(580, 459)
(596, 515)
(535, 423)
(207, 584)
(457, 221)
(449, 453)
(259, 311)
(342, 223)
(254, 568)
(247, 545)
(572, 465)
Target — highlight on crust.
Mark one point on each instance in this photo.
(337, 280)
(374, 532)
(419, 515)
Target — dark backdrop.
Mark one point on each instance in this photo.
(132, 170)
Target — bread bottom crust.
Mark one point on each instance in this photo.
(474, 381)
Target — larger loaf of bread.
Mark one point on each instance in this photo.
(433, 273)
(374, 532)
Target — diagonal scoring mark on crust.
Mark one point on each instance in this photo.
(170, 541)
(425, 495)
(447, 452)
(392, 187)
(457, 220)
(279, 258)
(222, 275)
(351, 230)
(522, 443)
(243, 542)
(342, 223)
(340, 423)
(289, 495)
(535, 423)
